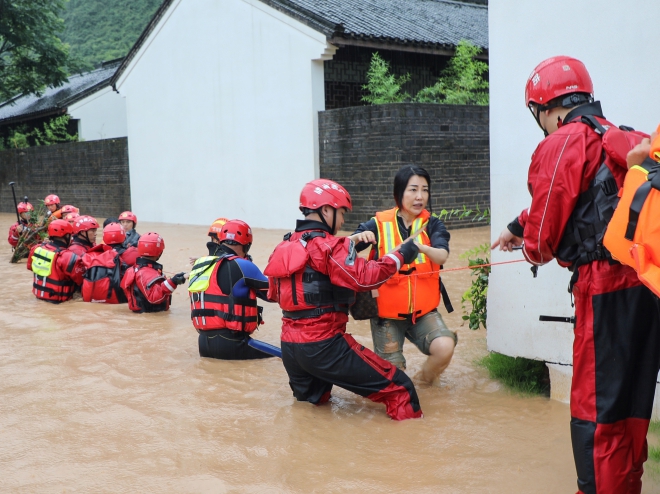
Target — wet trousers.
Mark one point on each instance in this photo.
(227, 344)
(315, 367)
(616, 357)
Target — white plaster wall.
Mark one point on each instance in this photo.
(222, 104)
(101, 115)
(615, 40)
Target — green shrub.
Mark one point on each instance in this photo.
(461, 82)
(383, 87)
(518, 374)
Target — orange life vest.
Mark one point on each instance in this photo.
(415, 289)
(633, 234)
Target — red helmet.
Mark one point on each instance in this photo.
(324, 192)
(216, 226)
(84, 223)
(71, 217)
(51, 199)
(128, 215)
(151, 244)
(236, 231)
(68, 208)
(24, 207)
(59, 228)
(114, 233)
(556, 77)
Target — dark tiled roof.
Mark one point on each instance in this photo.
(56, 99)
(438, 24)
(441, 23)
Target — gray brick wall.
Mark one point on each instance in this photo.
(90, 175)
(363, 147)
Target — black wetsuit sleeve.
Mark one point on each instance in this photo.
(368, 226)
(227, 275)
(260, 288)
(438, 233)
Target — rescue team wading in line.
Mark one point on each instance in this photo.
(224, 287)
(144, 285)
(57, 270)
(313, 276)
(105, 266)
(574, 178)
(407, 302)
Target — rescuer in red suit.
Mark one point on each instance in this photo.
(84, 235)
(313, 276)
(114, 236)
(17, 228)
(616, 351)
(146, 289)
(57, 270)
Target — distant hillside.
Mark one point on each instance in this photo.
(99, 30)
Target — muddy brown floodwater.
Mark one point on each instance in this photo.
(94, 398)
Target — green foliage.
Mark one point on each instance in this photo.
(383, 87)
(477, 294)
(32, 56)
(54, 131)
(102, 30)
(461, 82)
(652, 467)
(518, 374)
(462, 213)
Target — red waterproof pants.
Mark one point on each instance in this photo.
(616, 357)
(315, 367)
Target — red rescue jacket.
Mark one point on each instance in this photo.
(312, 275)
(79, 246)
(66, 272)
(145, 287)
(104, 271)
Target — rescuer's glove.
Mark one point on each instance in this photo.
(179, 278)
(409, 251)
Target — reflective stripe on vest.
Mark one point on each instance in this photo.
(415, 289)
(201, 273)
(42, 261)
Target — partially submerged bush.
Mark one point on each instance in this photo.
(518, 374)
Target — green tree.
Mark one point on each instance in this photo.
(32, 56)
(383, 87)
(461, 82)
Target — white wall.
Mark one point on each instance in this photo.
(616, 41)
(101, 115)
(222, 104)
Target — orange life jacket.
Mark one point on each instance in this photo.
(415, 289)
(633, 234)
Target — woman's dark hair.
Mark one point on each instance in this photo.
(402, 178)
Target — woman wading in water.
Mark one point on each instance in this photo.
(407, 303)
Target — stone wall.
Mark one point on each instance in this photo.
(90, 175)
(363, 147)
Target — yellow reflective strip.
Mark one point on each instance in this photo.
(389, 236)
(417, 224)
(640, 169)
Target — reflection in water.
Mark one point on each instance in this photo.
(94, 398)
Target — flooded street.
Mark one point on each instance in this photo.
(94, 398)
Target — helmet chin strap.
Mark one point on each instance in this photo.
(538, 120)
(334, 219)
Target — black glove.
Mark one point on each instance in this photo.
(409, 251)
(179, 278)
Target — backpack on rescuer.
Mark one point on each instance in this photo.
(102, 279)
(582, 241)
(633, 235)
